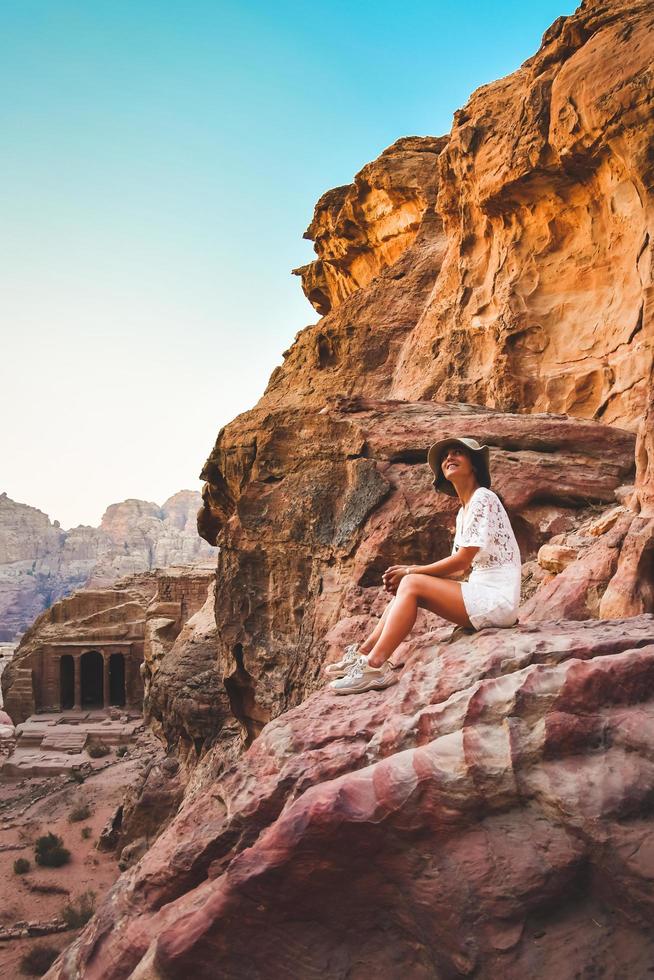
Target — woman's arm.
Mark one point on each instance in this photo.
(452, 565)
(448, 567)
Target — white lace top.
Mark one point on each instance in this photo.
(485, 524)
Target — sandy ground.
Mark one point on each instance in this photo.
(24, 818)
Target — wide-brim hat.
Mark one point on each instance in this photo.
(435, 458)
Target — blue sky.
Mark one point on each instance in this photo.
(161, 160)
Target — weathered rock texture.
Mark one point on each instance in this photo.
(40, 562)
(186, 701)
(362, 228)
(513, 258)
(147, 808)
(491, 815)
(135, 619)
(311, 507)
(631, 589)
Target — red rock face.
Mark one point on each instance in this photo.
(488, 815)
(531, 227)
(186, 701)
(364, 227)
(631, 589)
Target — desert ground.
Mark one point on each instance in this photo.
(32, 903)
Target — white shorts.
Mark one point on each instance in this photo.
(491, 605)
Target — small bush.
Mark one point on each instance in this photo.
(50, 851)
(97, 749)
(77, 776)
(21, 865)
(80, 812)
(77, 914)
(86, 833)
(121, 751)
(38, 960)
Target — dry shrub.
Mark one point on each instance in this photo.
(50, 852)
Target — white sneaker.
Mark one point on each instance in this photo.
(362, 677)
(341, 668)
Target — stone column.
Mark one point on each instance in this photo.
(77, 676)
(105, 679)
(54, 670)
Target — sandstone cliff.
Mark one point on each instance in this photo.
(186, 700)
(40, 562)
(512, 258)
(491, 814)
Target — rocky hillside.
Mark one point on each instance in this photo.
(40, 562)
(490, 814)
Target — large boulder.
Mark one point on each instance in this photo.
(489, 815)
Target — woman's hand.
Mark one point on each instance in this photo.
(393, 576)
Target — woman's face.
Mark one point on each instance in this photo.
(456, 463)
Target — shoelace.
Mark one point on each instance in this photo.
(351, 654)
(356, 670)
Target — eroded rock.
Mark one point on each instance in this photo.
(508, 264)
(523, 750)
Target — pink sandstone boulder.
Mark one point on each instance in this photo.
(489, 815)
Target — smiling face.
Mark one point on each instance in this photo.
(456, 462)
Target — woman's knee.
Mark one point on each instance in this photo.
(409, 584)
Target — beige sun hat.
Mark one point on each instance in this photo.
(435, 458)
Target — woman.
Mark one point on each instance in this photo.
(484, 542)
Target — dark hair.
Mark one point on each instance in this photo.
(474, 459)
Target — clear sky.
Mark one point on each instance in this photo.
(160, 162)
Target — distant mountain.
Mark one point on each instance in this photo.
(40, 562)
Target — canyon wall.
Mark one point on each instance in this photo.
(511, 260)
(40, 562)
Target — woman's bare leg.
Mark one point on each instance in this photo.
(370, 641)
(439, 595)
